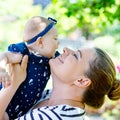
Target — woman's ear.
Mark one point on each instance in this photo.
(83, 82)
(39, 41)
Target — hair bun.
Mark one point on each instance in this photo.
(114, 93)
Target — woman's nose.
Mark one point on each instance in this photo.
(66, 50)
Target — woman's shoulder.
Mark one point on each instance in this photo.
(62, 108)
(57, 112)
(60, 112)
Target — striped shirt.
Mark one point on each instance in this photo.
(58, 112)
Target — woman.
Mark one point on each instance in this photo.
(80, 77)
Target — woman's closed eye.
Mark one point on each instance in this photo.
(75, 56)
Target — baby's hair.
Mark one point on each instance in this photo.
(36, 27)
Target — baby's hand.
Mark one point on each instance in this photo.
(4, 79)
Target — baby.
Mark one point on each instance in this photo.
(40, 44)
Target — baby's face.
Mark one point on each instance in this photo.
(50, 42)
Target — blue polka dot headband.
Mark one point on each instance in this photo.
(52, 22)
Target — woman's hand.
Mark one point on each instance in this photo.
(18, 71)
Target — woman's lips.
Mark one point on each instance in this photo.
(60, 59)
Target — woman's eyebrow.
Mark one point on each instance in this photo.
(80, 53)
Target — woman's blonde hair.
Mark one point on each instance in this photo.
(102, 73)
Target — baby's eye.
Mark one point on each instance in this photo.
(75, 55)
(55, 38)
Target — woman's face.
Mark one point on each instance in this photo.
(71, 65)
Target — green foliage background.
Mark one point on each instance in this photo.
(13, 16)
(92, 16)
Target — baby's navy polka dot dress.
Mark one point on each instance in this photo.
(29, 92)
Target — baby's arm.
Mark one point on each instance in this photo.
(10, 57)
(5, 58)
(18, 75)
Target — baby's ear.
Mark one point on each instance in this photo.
(39, 41)
(82, 82)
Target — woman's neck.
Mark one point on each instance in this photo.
(65, 97)
(59, 97)
(66, 101)
(65, 93)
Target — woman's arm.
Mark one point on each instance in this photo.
(18, 75)
(5, 97)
